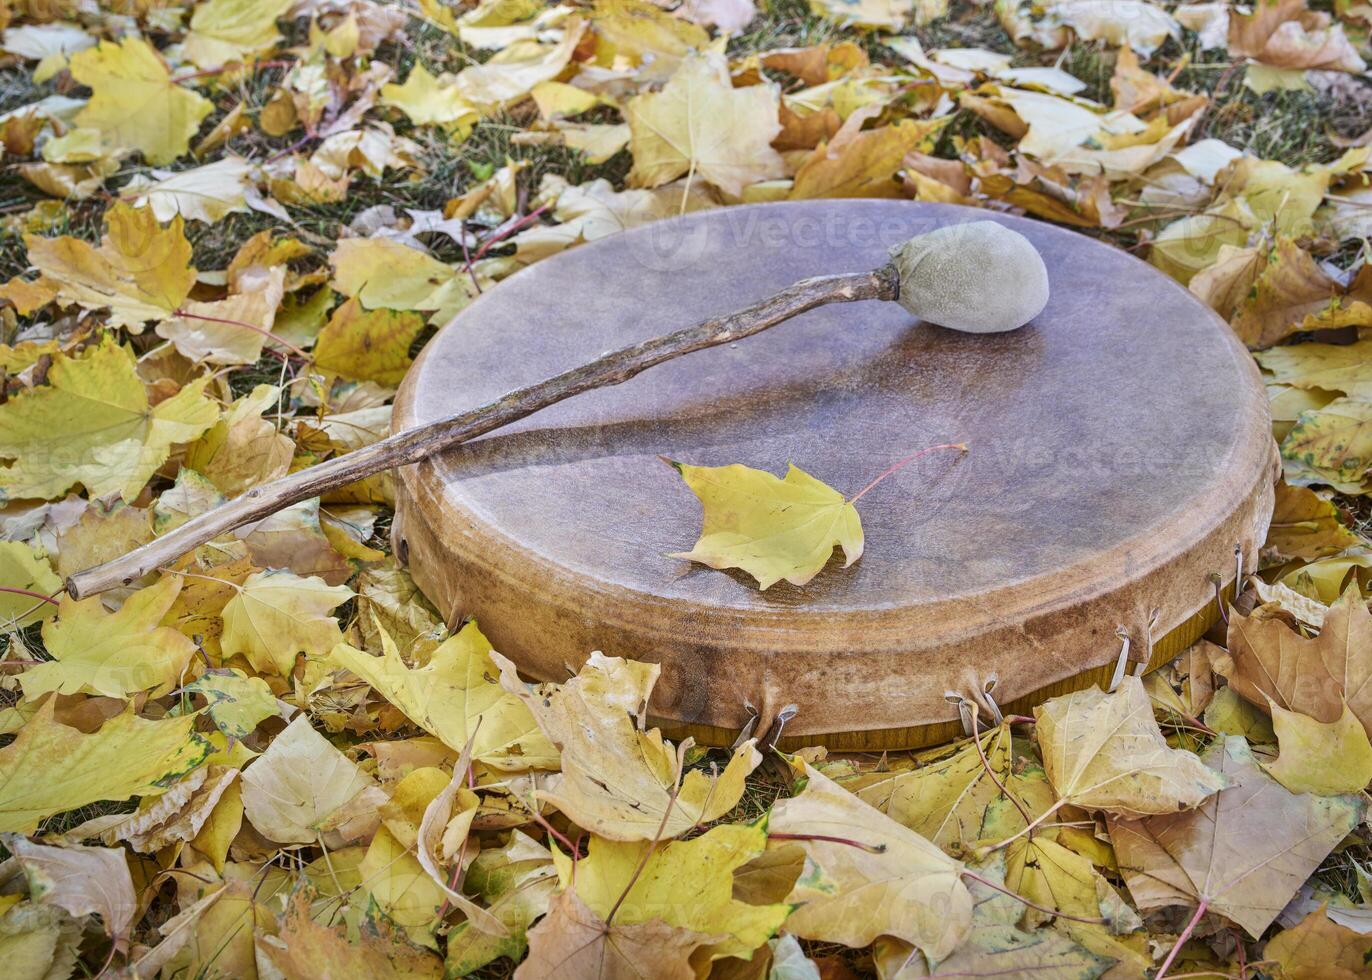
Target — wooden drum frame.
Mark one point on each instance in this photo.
(1120, 452)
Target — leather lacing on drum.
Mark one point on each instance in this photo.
(974, 697)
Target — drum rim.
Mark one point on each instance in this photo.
(498, 556)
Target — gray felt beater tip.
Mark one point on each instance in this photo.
(978, 277)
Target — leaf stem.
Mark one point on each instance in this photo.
(1185, 935)
(902, 463)
(986, 764)
(1090, 920)
(505, 231)
(1029, 828)
(643, 861)
(246, 326)
(849, 842)
(32, 595)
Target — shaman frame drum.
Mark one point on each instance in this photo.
(1120, 453)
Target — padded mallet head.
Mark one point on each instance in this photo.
(978, 277)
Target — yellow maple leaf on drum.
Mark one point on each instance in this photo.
(140, 272)
(771, 527)
(277, 614)
(92, 424)
(699, 124)
(134, 102)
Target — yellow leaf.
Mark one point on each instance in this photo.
(394, 879)
(231, 330)
(512, 73)
(1135, 23)
(773, 528)
(1306, 526)
(1345, 368)
(367, 345)
(644, 32)
(207, 193)
(1105, 751)
(686, 884)
(1327, 759)
(1229, 714)
(455, 697)
(385, 273)
(236, 702)
(950, 798)
(618, 780)
(865, 164)
(515, 882)
(128, 756)
(243, 449)
(277, 614)
(889, 15)
(229, 30)
(889, 881)
(1045, 872)
(699, 124)
(38, 942)
(23, 568)
(92, 424)
(112, 654)
(134, 102)
(429, 101)
(1331, 445)
(299, 788)
(140, 272)
(175, 816)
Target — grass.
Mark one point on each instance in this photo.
(1296, 128)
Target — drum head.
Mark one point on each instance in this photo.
(1119, 451)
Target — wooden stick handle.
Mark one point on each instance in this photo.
(413, 445)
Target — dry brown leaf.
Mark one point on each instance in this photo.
(890, 882)
(1285, 34)
(864, 164)
(307, 950)
(81, 880)
(302, 787)
(1314, 676)
(1305, 525)
(1244, 852)
(1317, 948)
(1267, 294)
(177, 815)
(1106, 752)
(571, 942)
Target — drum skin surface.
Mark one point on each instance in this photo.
(1120, 449)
